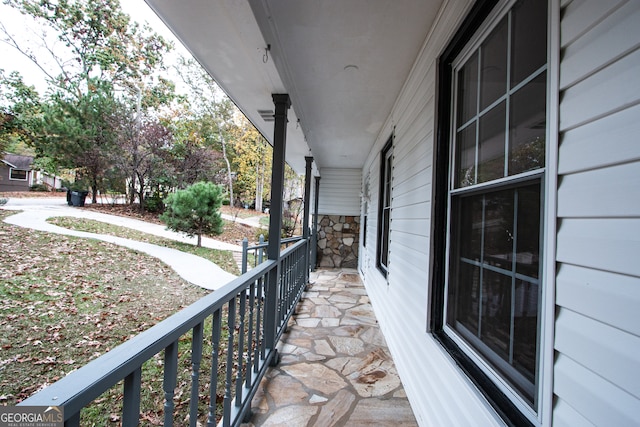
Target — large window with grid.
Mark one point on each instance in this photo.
(496, 163)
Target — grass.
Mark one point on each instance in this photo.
(65, 301)
(224, 259)
(243, 213)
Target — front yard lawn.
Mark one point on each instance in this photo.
(224, 259)
(65, 301)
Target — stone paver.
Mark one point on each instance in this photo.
(336, 369)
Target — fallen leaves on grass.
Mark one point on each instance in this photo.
(233, 232)
(65, 301)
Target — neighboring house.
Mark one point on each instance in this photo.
(489, 150)
(16, 173)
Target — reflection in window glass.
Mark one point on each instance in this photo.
(528, 40)
(528, 127)
(468, 90)
(498, 229)
(525, 327)
(493, 66)
(496, 312)
(491, 144)
(493, 292)
(466, 153)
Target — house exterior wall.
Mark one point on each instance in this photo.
(9, 185)
(593, 372)
(339, 192)
(338, 241)
(339, 217)
(597, 337)
(439, 394)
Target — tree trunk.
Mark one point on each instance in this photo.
(140, 191)
(226, 159)
(94, 192)
(199, 240)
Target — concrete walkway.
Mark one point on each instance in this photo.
(194, 269)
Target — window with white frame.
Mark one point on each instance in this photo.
(17, 175)
(384, 211)
(490, 284)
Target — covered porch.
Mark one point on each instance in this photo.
(335, 368)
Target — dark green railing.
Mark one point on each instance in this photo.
(256, 254)
(240, 319)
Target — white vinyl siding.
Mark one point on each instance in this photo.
(597, 332)
(339, 192)
(439, 394)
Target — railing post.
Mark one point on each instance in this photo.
(245, 249)
(307, 211)
(314, 247)
(271, 316)
(131, 401)
(261, 249)
(170, 381)
(196, 358)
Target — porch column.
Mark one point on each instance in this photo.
(314, 249)
(282, 104)
(307, 210)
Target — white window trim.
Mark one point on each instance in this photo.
(26, 176)
(549, 231)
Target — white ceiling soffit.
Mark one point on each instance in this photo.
(343, 63)
(224, 37)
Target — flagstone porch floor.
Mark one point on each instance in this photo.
(336, 369)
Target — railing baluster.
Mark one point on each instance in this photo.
(245, 254)
(73, 421)
(263, 323)
(259, 351)
(216, 326)
(261, 249)
(196, 359)
(170, 380)
(131, 400)
(231, 324)
(240, 350)
(251, 341)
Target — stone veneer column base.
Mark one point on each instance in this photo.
(338, 241)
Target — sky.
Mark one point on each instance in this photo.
(11, 59)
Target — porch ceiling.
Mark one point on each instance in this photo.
(343, 63)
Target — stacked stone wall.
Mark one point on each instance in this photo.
(338, 241)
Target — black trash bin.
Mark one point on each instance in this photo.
(77, 197)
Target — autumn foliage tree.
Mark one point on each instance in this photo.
(253, 158)
(212, 115)
(19, 109)
(93, 56)
(195, 210)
